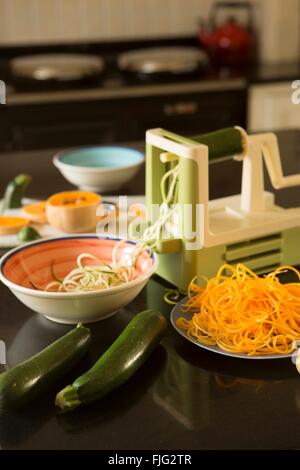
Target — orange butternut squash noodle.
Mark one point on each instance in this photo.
(243, 313)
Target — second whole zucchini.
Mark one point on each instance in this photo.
(118, 363)
(24, 382)
(15, 191)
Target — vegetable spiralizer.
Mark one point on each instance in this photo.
(202, 234)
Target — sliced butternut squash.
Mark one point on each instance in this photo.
(11, 225)
(73, 211)
(36, 212)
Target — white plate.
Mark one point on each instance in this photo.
(177, 313)
(47, 231)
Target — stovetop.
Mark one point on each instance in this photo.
(113, 78)
(115, 83)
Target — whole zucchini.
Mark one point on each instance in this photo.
(28, 234)
(15, 191)
(118, 363)
(27, 380)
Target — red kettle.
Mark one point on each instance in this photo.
(230, 43)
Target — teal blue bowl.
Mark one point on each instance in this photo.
(101, 168)
(102, 157)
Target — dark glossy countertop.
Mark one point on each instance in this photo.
(182, 398)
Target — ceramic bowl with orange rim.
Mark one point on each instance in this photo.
(31, 265)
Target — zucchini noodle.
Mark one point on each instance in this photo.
(243, 313)
(97, 274)
(169, 192)
(171, 297)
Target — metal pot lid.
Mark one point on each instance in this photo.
(60, 67)
(163, 60)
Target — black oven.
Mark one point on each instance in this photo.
(52, 121)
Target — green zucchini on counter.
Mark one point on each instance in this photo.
(15, 192)
(24, 382)
(121, 360)
(28, 234)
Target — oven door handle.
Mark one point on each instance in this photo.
(181, 108)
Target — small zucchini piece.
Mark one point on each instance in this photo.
(15, 191)
(23, 383)
(28, 234)
(118, 363)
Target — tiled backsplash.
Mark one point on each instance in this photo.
(46, 21)
(67, 20)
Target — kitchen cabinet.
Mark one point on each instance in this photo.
(270, 107)
(102, 121)
(5, 131)
(189, 114)
(57, 125)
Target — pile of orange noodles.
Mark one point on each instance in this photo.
(243, 313)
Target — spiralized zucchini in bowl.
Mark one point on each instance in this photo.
(80, 278)
(92, 273)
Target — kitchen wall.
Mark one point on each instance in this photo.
(44, 21)
(63, 20)
(280, 30)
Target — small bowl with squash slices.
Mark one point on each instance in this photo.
(83, 278)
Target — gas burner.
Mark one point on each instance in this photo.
(56, 71)
(162, 64)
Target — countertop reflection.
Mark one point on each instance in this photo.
(182, 398)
